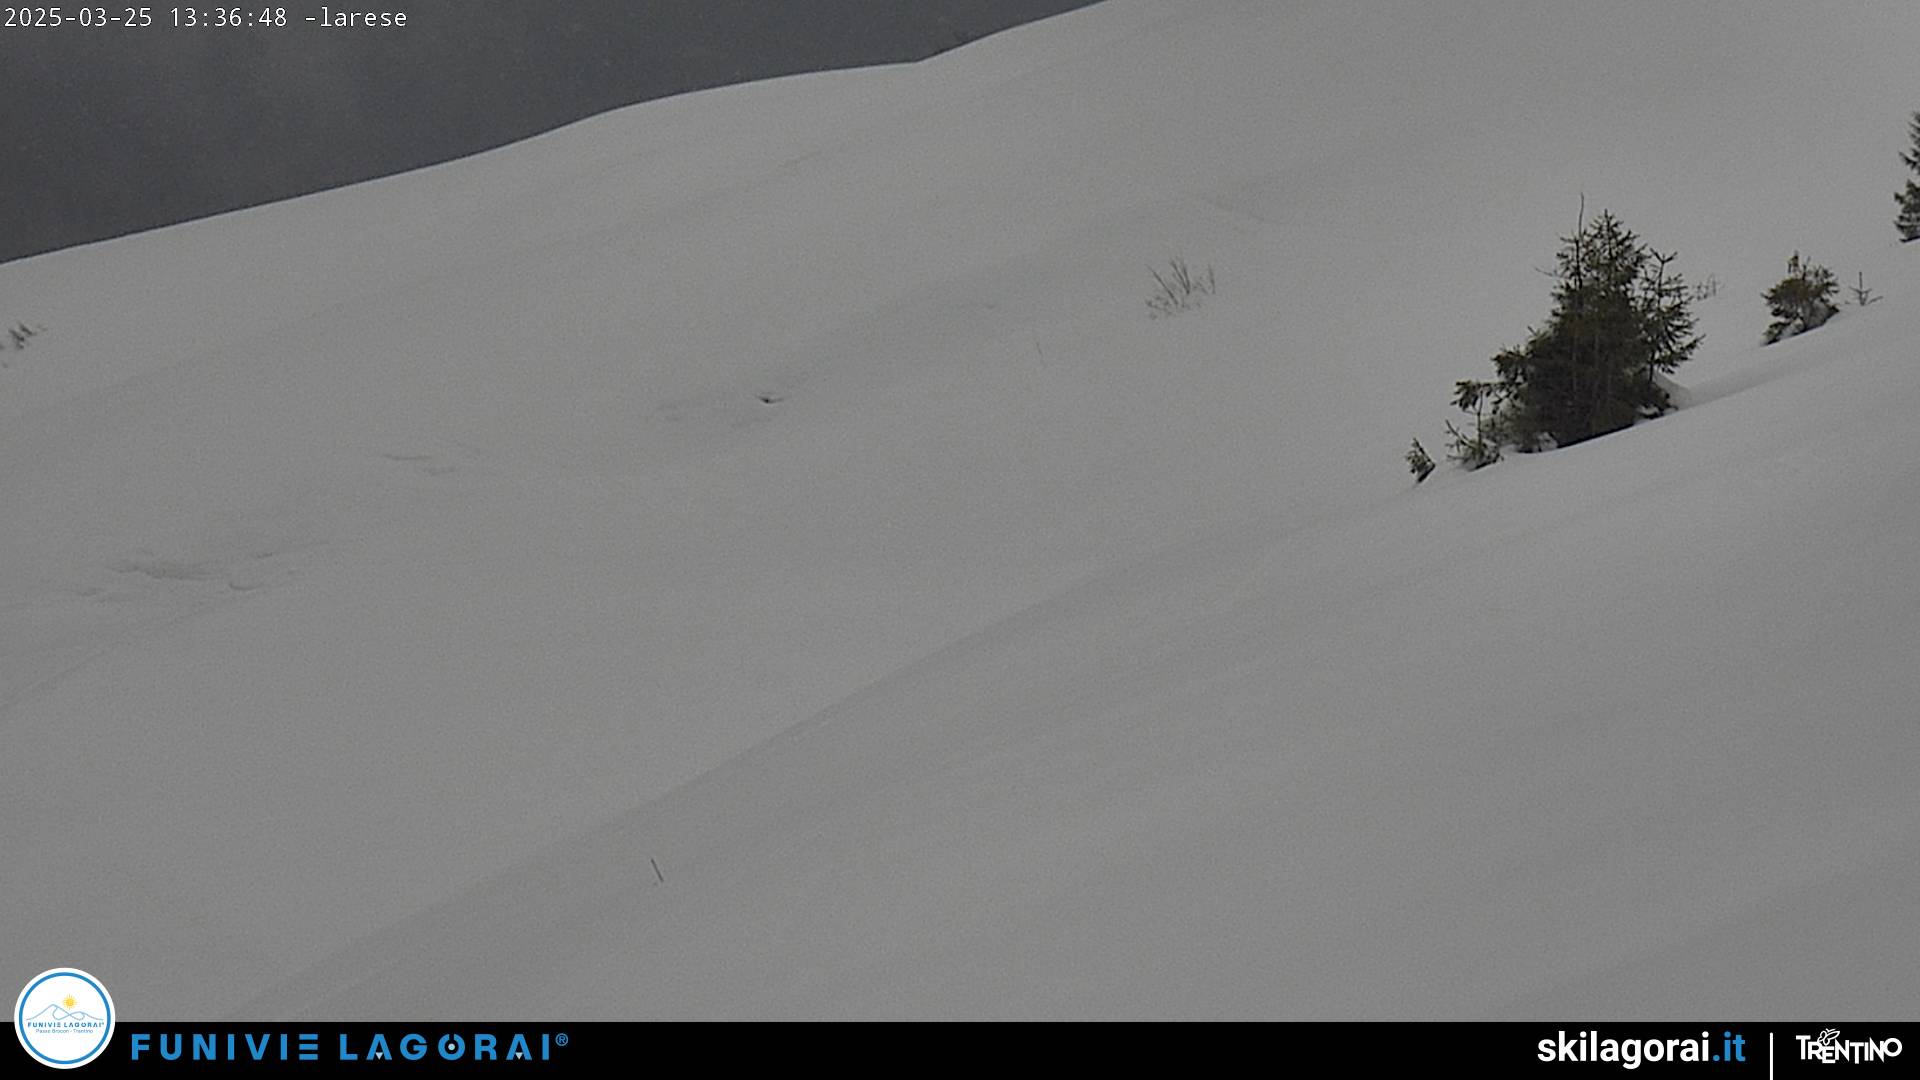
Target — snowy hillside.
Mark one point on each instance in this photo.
(752, 554)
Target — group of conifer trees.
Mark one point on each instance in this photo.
(1621, 320)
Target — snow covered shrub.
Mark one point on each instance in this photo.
(1908, 221)
(1802, 301)
(1179, 289)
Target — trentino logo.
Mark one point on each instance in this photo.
(1829, 1049)
(64, 1018)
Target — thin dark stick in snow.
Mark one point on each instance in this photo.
(657, 873)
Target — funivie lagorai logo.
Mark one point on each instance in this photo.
(64, 1018)
(1830, 1049)
(354, 1042)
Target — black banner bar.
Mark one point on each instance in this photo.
(1833, 1050)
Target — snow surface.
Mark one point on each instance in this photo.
(785, 487)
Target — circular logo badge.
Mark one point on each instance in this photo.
(64, 1018)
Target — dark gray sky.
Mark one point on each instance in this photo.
(109, 130)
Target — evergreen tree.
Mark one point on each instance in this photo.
(1669, 336)
(1908, 222)
(1802, 301)
(1419, 462)
(1487, 402)
(1621, 317)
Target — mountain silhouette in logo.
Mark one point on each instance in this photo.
(56, 1014)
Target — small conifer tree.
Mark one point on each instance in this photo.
(1487, 401)
(1802, 301)
(1419, 462)
(1861, 294)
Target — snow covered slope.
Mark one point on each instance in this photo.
(785, 487)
